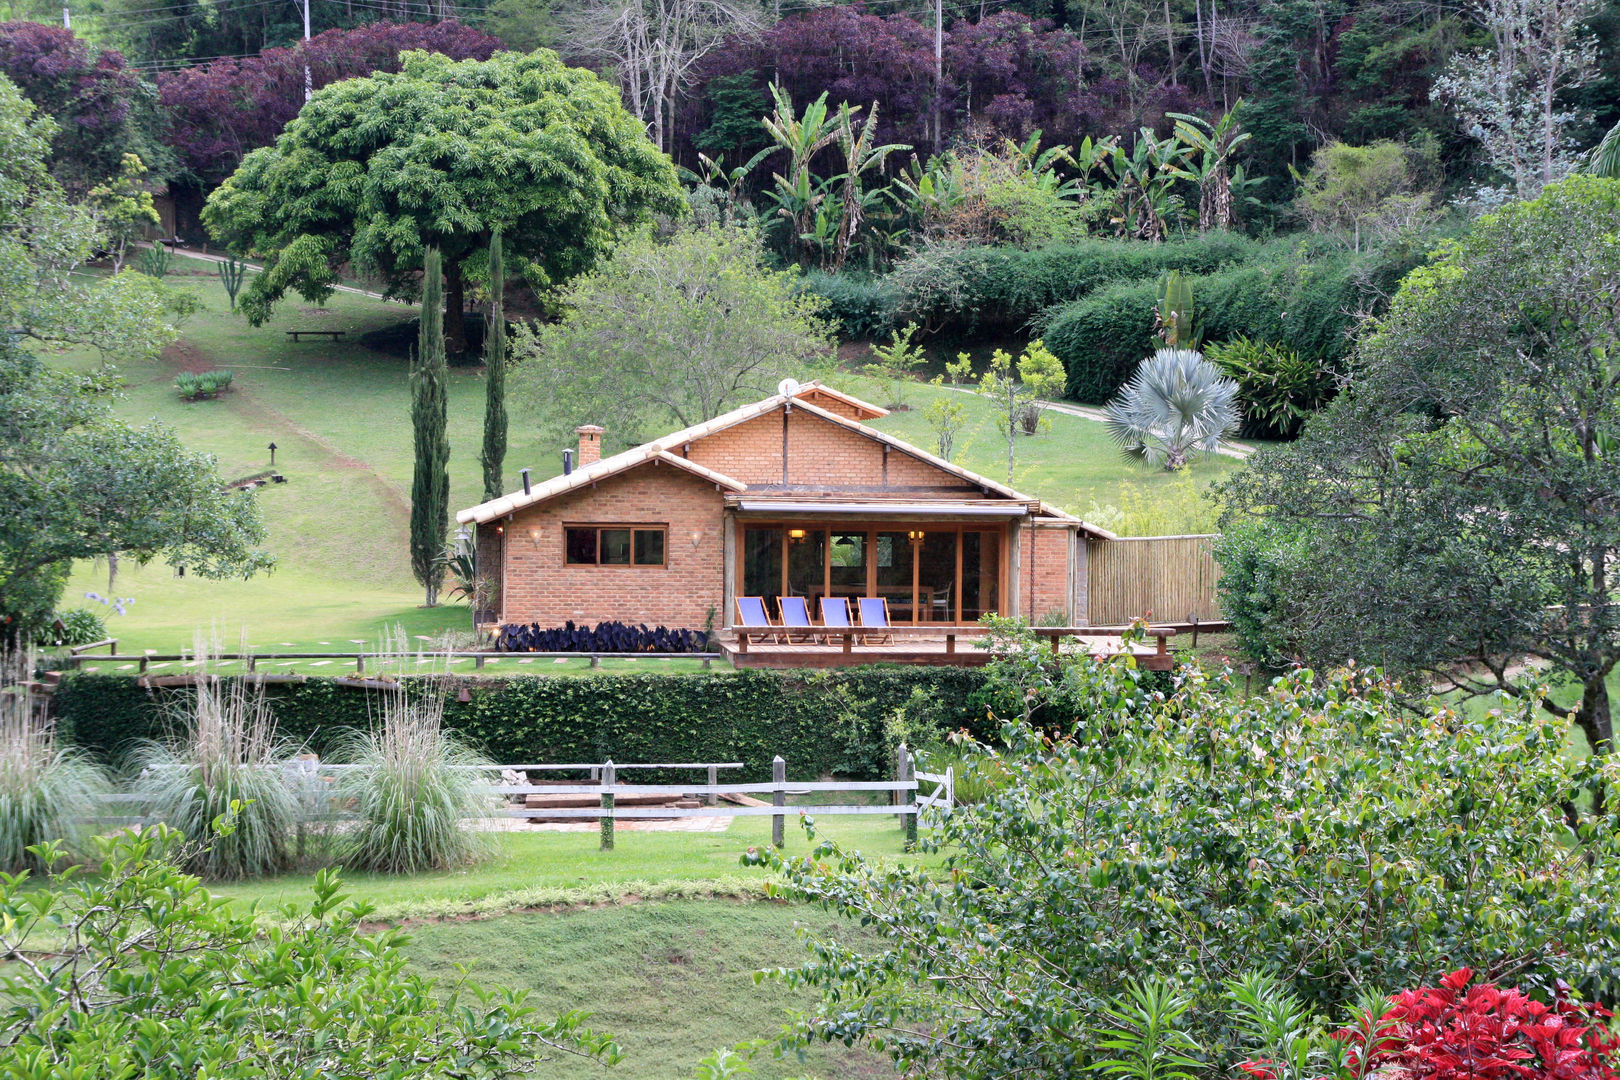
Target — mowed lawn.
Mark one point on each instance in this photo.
(339, 414)
(658, 939)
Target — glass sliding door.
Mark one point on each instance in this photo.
(937, 590)
(761, 565)
(895, 577)
(807, 565)
(981, 575)
(928, 573)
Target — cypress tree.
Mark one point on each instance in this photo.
(430, 485)
(495, 373)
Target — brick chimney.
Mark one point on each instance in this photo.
(590, 444)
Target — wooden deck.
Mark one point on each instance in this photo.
(924, 645)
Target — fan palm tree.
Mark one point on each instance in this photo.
(1605, 159)
(1176, 405)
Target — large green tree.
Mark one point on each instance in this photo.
(1455, 514)
(673, 331)
(430, 482)
(75, 482)
(441, 154)
(494, 453)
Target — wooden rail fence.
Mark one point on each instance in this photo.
(1173, 577)
(909, 798)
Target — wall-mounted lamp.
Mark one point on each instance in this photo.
(534, 537)
(697, 537)
(916, 536)
(796, 535)
(500, 528)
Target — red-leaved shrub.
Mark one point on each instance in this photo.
(1455, 1031)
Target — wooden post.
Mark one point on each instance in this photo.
(478, 662)
(778, 798)
(607, 804)
(359, 663)
(596, 661)
(903, 773)
(143, 665)
(714, 778)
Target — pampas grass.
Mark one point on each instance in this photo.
(227, 754)
(413, 789)
(44, 788)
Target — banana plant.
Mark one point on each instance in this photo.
(1145, 200)
(926, 194)
(1213, 145)
(862, 155)
(727, 184)
(797, 192)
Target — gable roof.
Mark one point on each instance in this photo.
(659, 450)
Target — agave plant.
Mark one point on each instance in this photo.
(1176, 405)
(43, 787)
(414, 789)
(226, 764)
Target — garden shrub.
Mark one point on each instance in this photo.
(747, 716)
(79, 626)
(1305, 302)
(971, 288)
(202, 385)
(1316, 830)
(136, 970)
(1458, 1031)
(861, 307)
(415, 792)
(227, 762)
(1260, 563)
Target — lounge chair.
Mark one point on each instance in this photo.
(796, 619)
(874, 615)
(753, 622)
(835, 615)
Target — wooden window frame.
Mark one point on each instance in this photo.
(633, 527)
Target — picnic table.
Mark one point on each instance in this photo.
(298, 334)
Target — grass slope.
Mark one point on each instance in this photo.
(672, 981)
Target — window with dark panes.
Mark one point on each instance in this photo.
(649, 547)
(581, 546)
(615, 545)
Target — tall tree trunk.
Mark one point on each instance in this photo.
(1596, 723)
(455, 325)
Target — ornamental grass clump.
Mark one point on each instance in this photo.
(415, 790)
(227, 763)
(44, 788)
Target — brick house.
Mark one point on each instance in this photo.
(792, 495)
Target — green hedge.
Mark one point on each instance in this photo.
(1307, 301)
(835, 721)
(974, 289)
(861, 307)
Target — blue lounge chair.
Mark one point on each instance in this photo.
(796, 618)
(874, 615)
(835, 616)
(753, 623)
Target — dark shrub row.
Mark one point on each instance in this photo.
(603, 637)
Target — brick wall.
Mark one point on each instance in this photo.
(819, 453)
(1043, 572)
(540, 588)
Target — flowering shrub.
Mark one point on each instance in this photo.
(1482, 1032)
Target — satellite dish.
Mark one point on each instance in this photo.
(788, 387)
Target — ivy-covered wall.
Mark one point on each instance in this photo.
(836, 721)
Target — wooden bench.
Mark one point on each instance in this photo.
(299, 334)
